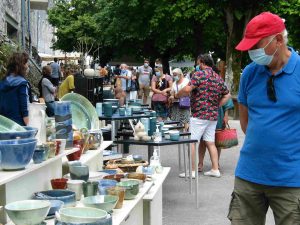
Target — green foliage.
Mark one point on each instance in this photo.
(6, 50)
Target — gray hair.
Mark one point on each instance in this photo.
(285, 36)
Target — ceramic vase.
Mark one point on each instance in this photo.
(63, 122)
(37, 119)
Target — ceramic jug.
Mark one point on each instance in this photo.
(37, 119)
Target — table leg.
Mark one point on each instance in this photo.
(113, 132)
(190, 167)
(179, 158)
(196, 175)
(184, 162)
(150, 152)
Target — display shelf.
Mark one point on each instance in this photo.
(8, 176)
(158, 180)
(120, 215)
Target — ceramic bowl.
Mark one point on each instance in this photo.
(29, 133)
(28, 212)
(39, 156)
(16, 154)
(105, 221)
(174, 135)
(55, 206)
(59, 183)
(104, 184)
(105, 202)
(116, 177)
(110, 171)
(75, 155)
(137, 158)
(131, 188)
(68, 197)
(79, 172)
(81, 215)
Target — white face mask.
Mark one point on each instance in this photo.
(260, 57)
(146, 64)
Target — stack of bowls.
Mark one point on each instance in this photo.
(16, 153)
(68, 197)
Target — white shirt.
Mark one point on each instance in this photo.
(184, 83)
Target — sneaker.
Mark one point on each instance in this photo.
(182, 175)
(213, 173)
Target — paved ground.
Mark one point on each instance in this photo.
(214, 193)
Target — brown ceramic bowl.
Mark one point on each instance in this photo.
(75, 155)
(59, 183)
(138, 176)
(116, 177)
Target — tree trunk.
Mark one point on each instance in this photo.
(234, 58)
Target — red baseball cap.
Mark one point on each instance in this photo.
(262, 25)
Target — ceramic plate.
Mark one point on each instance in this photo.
(84, 114)
(9, 125)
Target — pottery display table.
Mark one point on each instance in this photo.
(21, 184)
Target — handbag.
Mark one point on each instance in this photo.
(226, 138)
(184, 102)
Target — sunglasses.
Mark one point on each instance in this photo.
(271, 89)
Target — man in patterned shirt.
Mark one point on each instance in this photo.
(208, 93)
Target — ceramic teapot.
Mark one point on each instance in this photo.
(37, 119)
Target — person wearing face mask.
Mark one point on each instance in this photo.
(268, 169)
(14, 89)
(144, 74)
(176, 113)
(161, 85)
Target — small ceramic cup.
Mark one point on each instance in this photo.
(60, 146)
(45, 148)
(76, 186)
(52, 149)
(129, 111)
(79, 172)
(59, 183)
(38, 156)
(122, 111)
(90, 188)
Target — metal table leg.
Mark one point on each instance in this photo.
(196, 175)
(184, 162)
(113, 132)
(190, 167)
(179, 158)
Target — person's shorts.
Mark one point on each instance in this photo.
(202, 128)
(144, 89)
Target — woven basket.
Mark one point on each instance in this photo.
(130, 167)
(226, 138)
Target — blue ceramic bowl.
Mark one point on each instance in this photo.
(16, 154)
(68, 197)
(104, 184)
(38, 156)
(110, 172)
(55, 206)
(29, 133)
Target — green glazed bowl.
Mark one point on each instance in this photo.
(81, 215)
(105, 202)
(28, 212)
(131, 188)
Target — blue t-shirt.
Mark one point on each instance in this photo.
(271, 151)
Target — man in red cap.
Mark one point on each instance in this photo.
(268, 170)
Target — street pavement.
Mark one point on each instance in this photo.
(179, 207)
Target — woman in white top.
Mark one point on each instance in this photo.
(177, 113)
